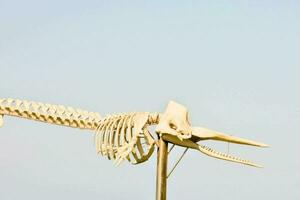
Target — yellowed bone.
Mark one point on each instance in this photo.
(120, 137)
(54, 114)
(206, 134)
(175, 128)
(126, 136)
(208, 151)
(174, 121)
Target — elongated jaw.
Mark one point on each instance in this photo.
(219, 155)
(206, 150)
(199, 133)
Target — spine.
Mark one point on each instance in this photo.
(54, 114)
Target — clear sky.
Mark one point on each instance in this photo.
(234, 64)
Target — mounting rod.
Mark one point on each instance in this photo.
(161, 171)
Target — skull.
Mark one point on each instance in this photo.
(174, 121)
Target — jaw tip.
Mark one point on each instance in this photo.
(258, 166)
(263, 145)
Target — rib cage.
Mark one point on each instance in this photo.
(125, 136)
(54, 114)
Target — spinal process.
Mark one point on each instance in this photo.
(126, 136)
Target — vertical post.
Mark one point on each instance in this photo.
(161, 171)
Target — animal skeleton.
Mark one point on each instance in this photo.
(126, 136)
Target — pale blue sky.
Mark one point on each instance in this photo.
(235, 65)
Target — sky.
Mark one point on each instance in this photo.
(233, 64)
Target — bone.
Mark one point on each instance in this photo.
(206, 134)
(112, 138)
(54, 114)
(118, 132)
(206, 150)
(118, 138)
(129, 142)
(123, 130)
(149, 142)
(131, 137)
(107, 133)
(120, 154)
(174, 121)
(103, 130)
(139, 147)
(100, 135)
(141, 122)
(145, 155)
(128, 130)
(222, 156)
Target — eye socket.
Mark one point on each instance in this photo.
(173, 126)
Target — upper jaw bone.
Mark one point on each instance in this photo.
(205, 134)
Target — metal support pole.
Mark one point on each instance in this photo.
(161, 172)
